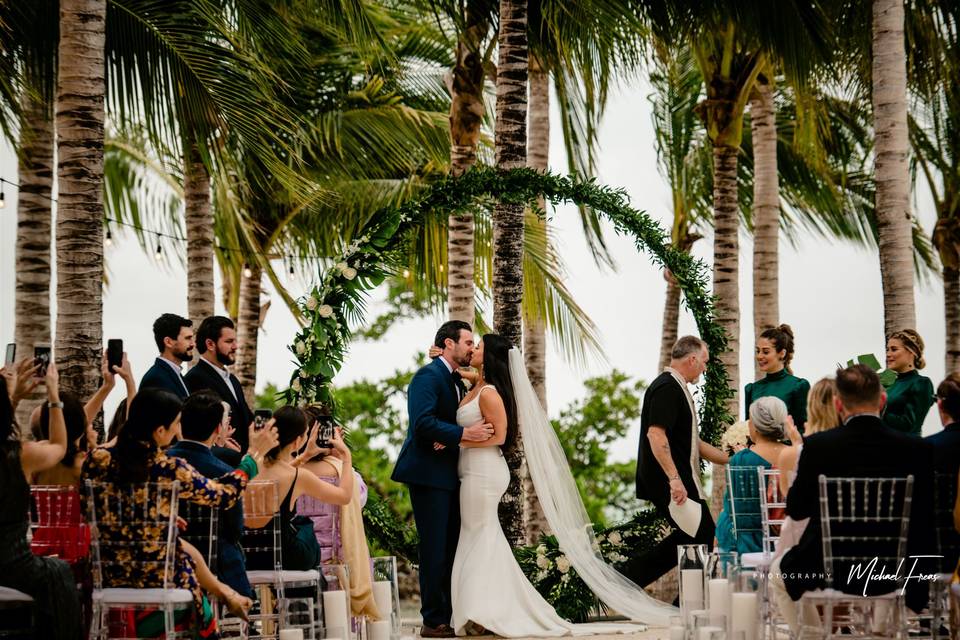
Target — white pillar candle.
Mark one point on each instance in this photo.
(704, 632)
(383, 596)
(291, 634)
(335, 610)
(379, 630)
(691, 581)
(744, 614)
(677, 633)
(718, 590)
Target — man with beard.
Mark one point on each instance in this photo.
(430, 470)
(174, 337)
(217, 344)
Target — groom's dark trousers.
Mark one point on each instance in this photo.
(432, 400)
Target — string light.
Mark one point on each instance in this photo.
(159, 251)
(406, 273)
(109, 239)
(291, 269)
(3, 201)
(247, 271)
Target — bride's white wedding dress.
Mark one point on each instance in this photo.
(488, 587)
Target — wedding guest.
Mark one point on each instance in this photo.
(911, 396)
(79, 418)
(946, 458)
(861, 447)
(49, 581)
(217, 344)
(767, 424)
(668, 461)
(201, 424)
(301, 551)
(173, 335)
(326, 463)
(821, 416)
(119, 417)
(774, 352)
(138, 456)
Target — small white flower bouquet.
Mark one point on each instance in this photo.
(736, 437)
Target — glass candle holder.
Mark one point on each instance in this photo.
(386, 591)
(745, 603)
(691, 566)
(706, 623)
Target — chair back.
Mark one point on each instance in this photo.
(133, 533)
(326, 522)
(57, 524)
(773, 506)
(864, 526)
(261, 526)
(948, 540)
(743, 489)
(202, 530)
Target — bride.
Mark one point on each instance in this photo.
(489, 590)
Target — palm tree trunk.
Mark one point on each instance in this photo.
(248, 328)
(534, 329)
(726, 288)
(466, 116)
(511, 152)
(766, 211)
(32, 296)
(671, 318)
(892, 174)
(199, 228)
(80, 97)
(951, 304)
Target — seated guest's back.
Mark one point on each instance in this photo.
(200, 423)
(946, 457)
(67, 472)
(299, 546)
(862, 447)
(768, 416)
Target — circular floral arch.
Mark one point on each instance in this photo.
(378, 250)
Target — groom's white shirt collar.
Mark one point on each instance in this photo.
(447, 364)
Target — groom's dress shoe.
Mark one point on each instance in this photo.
(442, 631)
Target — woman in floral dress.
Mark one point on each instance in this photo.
(138, 457)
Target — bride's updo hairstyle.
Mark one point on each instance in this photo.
(496, 371)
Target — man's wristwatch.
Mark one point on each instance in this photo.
(54, 405)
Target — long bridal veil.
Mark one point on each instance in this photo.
(565, 512)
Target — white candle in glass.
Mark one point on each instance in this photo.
(677, 633)
(691, 581)
(744, 612)
(335, 610)
(379, 630)
(291, 634)
(718, 590)
(383, 596)
(704, 633)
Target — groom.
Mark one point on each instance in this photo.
(430, 471)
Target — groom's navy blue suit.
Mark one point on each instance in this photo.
(432, 400)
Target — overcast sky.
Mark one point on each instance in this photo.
(829, 291)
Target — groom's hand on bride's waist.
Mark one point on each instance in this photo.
(480, 432)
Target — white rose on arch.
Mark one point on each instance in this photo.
(301, 348)
(341, 266)
(325, 311)
(304, 374)
(312, 303)
(563, 565)
(349, 273)
(295, 385)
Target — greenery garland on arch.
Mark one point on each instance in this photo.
(338, 299)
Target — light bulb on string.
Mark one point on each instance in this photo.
(291, 269)
(406, 273)
(247, 271)
(159, 254)
(108, 241)
(3, 201)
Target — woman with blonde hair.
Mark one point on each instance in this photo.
(821, 416)
(911, 396)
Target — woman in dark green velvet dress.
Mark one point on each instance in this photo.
(774, 352)
(911, 396)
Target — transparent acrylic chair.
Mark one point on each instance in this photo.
(278, 609)
(863, 520)
(133, 548)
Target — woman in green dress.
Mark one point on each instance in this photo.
(774, 352)
(911, 396)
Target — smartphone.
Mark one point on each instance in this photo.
(114, 353)
(260, 418)
(11, 356)
(41, 356)
(325, 432)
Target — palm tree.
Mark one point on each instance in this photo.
(511, 152)
(766, 207)
(79, 124)
(892, 172)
